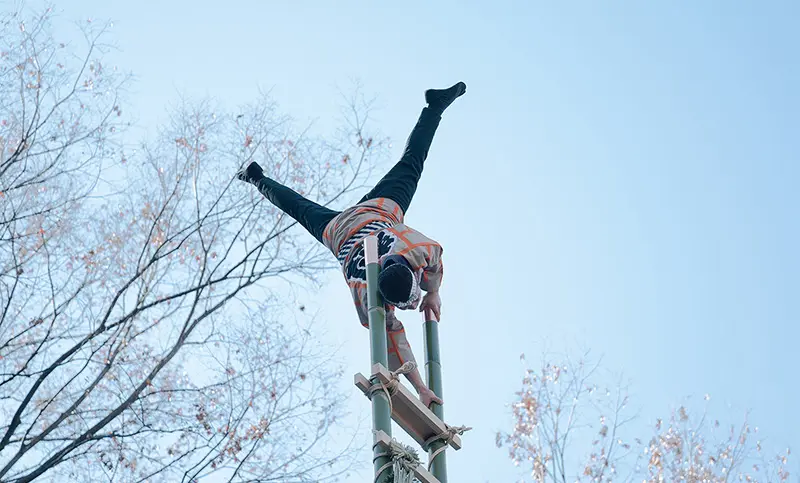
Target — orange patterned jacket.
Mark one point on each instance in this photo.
(344, 237)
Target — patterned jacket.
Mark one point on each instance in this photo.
(344, 236)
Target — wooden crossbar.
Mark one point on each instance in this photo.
(408, 411)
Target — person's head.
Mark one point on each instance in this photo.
(396, 282)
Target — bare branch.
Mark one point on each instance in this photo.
(127, 341)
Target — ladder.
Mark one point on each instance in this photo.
(425, 426)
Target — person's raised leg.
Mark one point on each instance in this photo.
(312, 216)
(400, 183)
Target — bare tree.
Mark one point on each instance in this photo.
(140, 336)
(568, 428)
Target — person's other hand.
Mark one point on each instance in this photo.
(432, 304)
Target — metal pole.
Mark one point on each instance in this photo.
(433, 377)
(381, 416)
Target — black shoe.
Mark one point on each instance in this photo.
(440, 99)
(250, 173)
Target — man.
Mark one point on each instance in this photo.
(410, 262)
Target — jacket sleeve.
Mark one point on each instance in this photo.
(399, 350)
(432, 268)
(397, 343)
(360, 299)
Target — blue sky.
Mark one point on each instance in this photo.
(625, 175)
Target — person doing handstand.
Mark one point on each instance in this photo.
(410, 262)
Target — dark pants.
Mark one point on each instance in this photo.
(398, 185)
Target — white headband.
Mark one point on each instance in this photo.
(413, 296)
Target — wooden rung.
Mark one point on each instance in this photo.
(423, 475)
(408, 411)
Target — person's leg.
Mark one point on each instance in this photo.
(400, 183)
(312, 216)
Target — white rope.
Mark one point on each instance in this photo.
(401, 463)
(403, 460)
(391, 387)
(447, 437)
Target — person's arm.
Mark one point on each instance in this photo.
(398, 348)
(432, 268)
(360, 300)
(431, 280)
(400, 352)
(397, 344)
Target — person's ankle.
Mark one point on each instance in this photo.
(254, 171)
(440, 99)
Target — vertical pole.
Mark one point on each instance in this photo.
(381, 417)
(433, 377)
